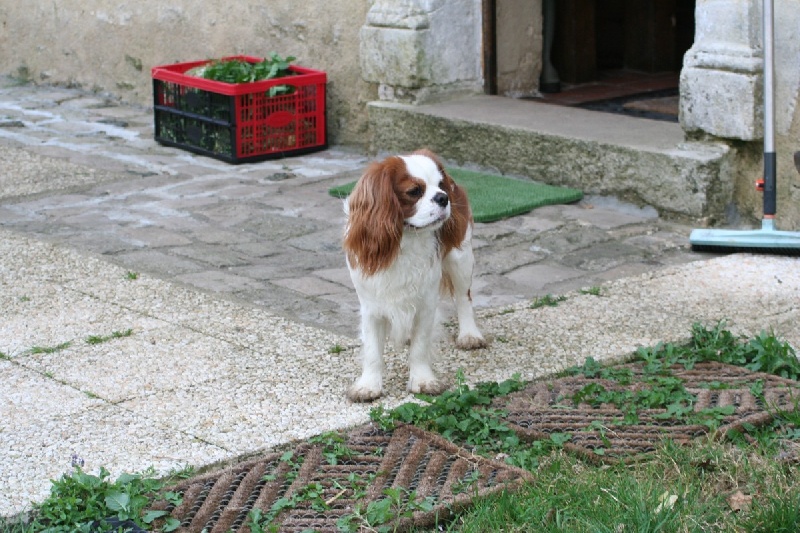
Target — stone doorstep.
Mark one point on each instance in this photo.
(645, 161)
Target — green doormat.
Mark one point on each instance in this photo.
(495, 197)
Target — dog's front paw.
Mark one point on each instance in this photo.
(471, 342)
(432, 387)
(362, 393)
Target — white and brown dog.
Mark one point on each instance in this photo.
(408, 238)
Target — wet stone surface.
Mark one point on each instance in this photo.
(264, 232)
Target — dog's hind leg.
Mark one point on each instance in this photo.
(421, 377)
(458, 265)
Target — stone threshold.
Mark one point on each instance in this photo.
(646, 161)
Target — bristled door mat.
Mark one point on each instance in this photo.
(730, 395)
(495, 197)
(320, 482)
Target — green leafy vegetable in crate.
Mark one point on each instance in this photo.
(237, 71)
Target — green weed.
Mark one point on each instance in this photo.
(99, 339)
(548, 300)
(465, 415)
(80, 501)
(35, 350)
(379, 514)
(16, 525)
(333, 447)
(762, 353)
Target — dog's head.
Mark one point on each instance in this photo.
(398, 194)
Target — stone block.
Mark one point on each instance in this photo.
(722, 103)
(393, 56)
(418, 45)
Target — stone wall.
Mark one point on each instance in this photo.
(722, 96)
(110, 45)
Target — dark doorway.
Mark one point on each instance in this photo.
(609, 54)
(593, 36)
(622, 56)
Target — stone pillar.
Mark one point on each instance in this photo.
(721, 84)
(519, 48)
(416, 48)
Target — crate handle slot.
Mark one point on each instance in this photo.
(280, 119)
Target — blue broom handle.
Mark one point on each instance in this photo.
(770, 170)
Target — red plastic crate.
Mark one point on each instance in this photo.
(239, 122)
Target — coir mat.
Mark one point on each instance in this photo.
(406, 477)
(731, 397)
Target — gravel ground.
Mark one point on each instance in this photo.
(33, 175)
(202, 379)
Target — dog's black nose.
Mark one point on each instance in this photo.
(441, 199)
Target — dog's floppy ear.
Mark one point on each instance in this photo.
(452, 233)
(375, 218)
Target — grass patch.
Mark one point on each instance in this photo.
(678, 489)
(548, 300)
(100, 339)
(776, 512)
(592, 291)
(91, 339)
(36, 350)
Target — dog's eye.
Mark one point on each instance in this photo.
(442, 185)
(416, 192)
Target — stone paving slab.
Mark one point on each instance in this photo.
(189, 357)
(152, 359)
